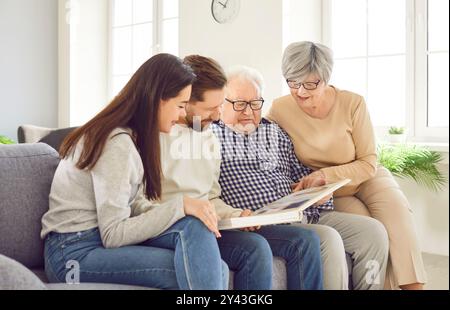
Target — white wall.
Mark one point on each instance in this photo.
(303, 21)
(28, 64)
(83, 60)
(253, 39)
(431, 214)
(89, 66)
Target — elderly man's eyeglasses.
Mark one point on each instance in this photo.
(308, 85)
(241, 105)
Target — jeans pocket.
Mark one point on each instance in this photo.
(71, 238)
(52, 239)
(53, 260)
(75, 247)
(61, 249)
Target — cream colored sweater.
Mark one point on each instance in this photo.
(342, 145)
(110, 196)
(191, 167)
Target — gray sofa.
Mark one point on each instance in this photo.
(26, 174)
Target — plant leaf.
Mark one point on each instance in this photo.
(5, 140)
(416, 163)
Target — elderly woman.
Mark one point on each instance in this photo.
(332, 134)
(259, 166)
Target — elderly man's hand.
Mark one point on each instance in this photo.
(248, 229)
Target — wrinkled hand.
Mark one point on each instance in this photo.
(248, 229)
(315, 179)
(204, 211)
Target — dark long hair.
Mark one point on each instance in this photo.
(136, 107)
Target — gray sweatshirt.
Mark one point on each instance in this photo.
(110, 197)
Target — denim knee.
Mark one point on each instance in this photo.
(194, 227)
(308, 240)
(309, 237)
(259, 248)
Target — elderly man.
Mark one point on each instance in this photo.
(259, 166)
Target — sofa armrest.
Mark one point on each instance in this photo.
(14, 276)
(32, 134)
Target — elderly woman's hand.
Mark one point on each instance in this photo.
(315, 179)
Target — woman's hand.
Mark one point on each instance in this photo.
(315, 179)
(248, 229)
(204, 211)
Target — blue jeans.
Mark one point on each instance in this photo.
(186, 256)
(170, 261)
(250, 257)
(300, 248)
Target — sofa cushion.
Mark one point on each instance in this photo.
(26, 174)
(14, 276)
(279, 279)
(31, 133)
(51, 136)
(94, 287)
(40, 273)
(56, 137)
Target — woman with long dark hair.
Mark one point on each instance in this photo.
(104, 212)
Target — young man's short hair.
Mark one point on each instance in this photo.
(210, 75)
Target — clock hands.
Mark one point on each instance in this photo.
(224, 5)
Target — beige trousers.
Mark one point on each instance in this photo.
(364, 239)
(382, 199)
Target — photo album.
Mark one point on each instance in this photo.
(288, 209)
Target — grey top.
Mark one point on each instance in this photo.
(110, 196)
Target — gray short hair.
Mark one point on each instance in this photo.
(301, 59)
(248, 74)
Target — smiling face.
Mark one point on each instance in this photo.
(245, 121)
(309, 99)
(172, 109)
(208, 110)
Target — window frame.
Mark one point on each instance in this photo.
(421, 77)
(416, 95)
(157, 27)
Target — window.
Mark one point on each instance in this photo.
(395, 54)
(139, 30)
(432, 54)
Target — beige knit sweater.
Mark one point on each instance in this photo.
(342, 145)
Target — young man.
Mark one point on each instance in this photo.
(259, 166)
(191, 166)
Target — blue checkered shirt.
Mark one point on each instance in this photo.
(259, 168)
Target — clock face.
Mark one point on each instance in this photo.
(225, 11)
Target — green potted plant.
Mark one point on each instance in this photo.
(397, 134)
(414, 162)
(6, 140)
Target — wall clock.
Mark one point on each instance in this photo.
(225, 11)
